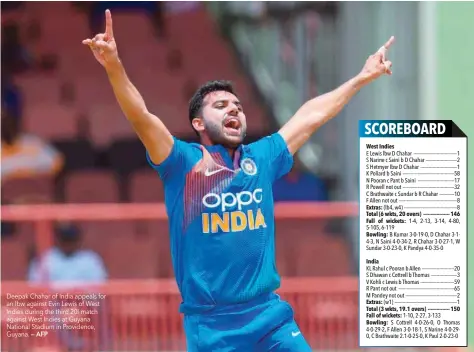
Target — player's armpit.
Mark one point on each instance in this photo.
(153, 133)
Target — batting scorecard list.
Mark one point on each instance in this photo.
(413, 234)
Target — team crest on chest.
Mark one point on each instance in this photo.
(248, 166)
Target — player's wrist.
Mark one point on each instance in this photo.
(114, 66)
(362, 79)
(359, 81)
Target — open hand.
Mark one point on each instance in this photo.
(377, 64)
(103, 45)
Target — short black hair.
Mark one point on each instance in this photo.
(196, 102)
(67, 233)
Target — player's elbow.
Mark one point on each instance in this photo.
(137, 115)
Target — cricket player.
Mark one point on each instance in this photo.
(219, 201)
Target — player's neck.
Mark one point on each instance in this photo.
(207, 142)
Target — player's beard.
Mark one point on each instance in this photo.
(216, 134)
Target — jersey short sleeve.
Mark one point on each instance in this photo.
(182, 158)
(274, 150)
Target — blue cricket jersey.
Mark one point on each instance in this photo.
(221, 220)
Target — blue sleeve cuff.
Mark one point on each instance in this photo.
(167, 163)
(283, 156)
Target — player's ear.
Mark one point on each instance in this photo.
(198, 124)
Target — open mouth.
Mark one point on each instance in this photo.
(232, 126)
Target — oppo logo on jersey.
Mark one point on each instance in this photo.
(232, 221)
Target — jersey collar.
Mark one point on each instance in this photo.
(218, 148)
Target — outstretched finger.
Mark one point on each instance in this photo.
(389, 42)
(108, 25)
(87, 41)
(383, 49)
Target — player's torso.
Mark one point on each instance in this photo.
(230, 200)
(227, 249)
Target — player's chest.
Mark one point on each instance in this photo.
(216, 172)
(227, 200)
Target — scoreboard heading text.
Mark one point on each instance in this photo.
(418, 128)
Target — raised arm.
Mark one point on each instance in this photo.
(150, 129)
(316, 112)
